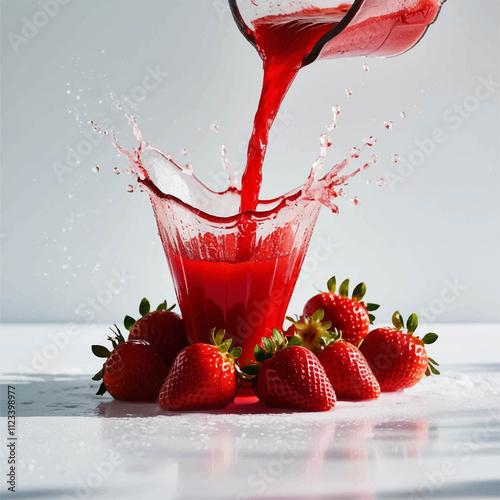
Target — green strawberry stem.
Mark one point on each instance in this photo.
(217, 340)
(103, 352)
(428, 338)
(271, 346)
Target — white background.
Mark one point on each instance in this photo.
(429, 243)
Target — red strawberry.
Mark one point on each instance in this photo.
(345, 366)
(133, 371)
(290, 376)
(202, 377)
(398, 359)
(162, 328)
(348, 371)
(350, 316)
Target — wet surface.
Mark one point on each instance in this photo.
(440, 439)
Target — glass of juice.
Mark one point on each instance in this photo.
(233, 270)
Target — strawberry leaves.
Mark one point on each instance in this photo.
(344, 288)
(103, 352)
(217, 340)
(397, 320)
(412, 323)
(270, 346)
(431, 368)
(332, 284)
(357, 294)
(427, 339)
(144, 309)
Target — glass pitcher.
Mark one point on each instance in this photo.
(374, 28)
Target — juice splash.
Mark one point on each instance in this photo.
(201, 232)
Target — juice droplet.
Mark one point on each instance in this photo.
(370, 141)
(106, 133)
(188, 168)
(369, 181)
(348, 91)
(395, 158)
(355, 201)
(325, 141)
(381, 182)
(130, 188)
(336, 109)
(116, 170)
(341, 193)
(184, 151)
(366, 67)
(355, 152)
(214, 127)
(388, 125)
(95, 169)
(374, 159)
(402, 114)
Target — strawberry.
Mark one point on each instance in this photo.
(345, 366)
(348, 315)
(133, 371)
(398, 359)
(202, 377)
(288, 375)
(162, 328)
(348, 371)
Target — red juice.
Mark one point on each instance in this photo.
(284, 41)
(248, 299)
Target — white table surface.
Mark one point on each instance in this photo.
(440, 439)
